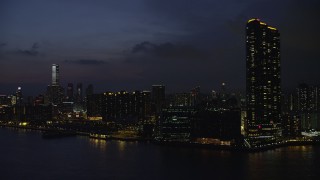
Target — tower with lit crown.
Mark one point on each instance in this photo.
(263, 85)
(55, 74)
(55, 91)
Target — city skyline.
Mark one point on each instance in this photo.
(137, 44)
(261, 116)
(151, 89)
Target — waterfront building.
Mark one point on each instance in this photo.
(6, 113)
(38, 113)
(109, 111)
(174, 124)
(122, 105)
(222, 125)
(263, 82)
(291, 123)
(127, 107)
(140, 105)
(95, 106)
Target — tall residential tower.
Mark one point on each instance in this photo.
(263, 85)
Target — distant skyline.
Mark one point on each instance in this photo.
(132, 44)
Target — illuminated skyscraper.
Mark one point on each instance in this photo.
(55, 74)
(55, 91)
(19, 96)
(263, 79)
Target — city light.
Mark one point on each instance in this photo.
(253, 120)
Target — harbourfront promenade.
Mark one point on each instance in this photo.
(97, 134)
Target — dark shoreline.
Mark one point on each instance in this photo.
(179, 144)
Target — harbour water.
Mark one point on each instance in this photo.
(24, 154)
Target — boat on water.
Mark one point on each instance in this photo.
(57, 134)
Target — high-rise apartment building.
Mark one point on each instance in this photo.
(263, 85)
(307, 106)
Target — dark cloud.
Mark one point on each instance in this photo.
(205, 40)
(181, 66)
(3, 44)
(86, 62)
(35, 46)
(2, 47)
(33, 51)
(221, 28)
(169, 51)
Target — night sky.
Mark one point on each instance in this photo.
(132, 44)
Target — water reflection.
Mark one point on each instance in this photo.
(122, 145)
(98, 144)
(87, 158)
(300, 148)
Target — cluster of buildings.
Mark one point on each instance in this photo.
(263, 116)
(271, 115)
(301, 111)
(183, 117)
